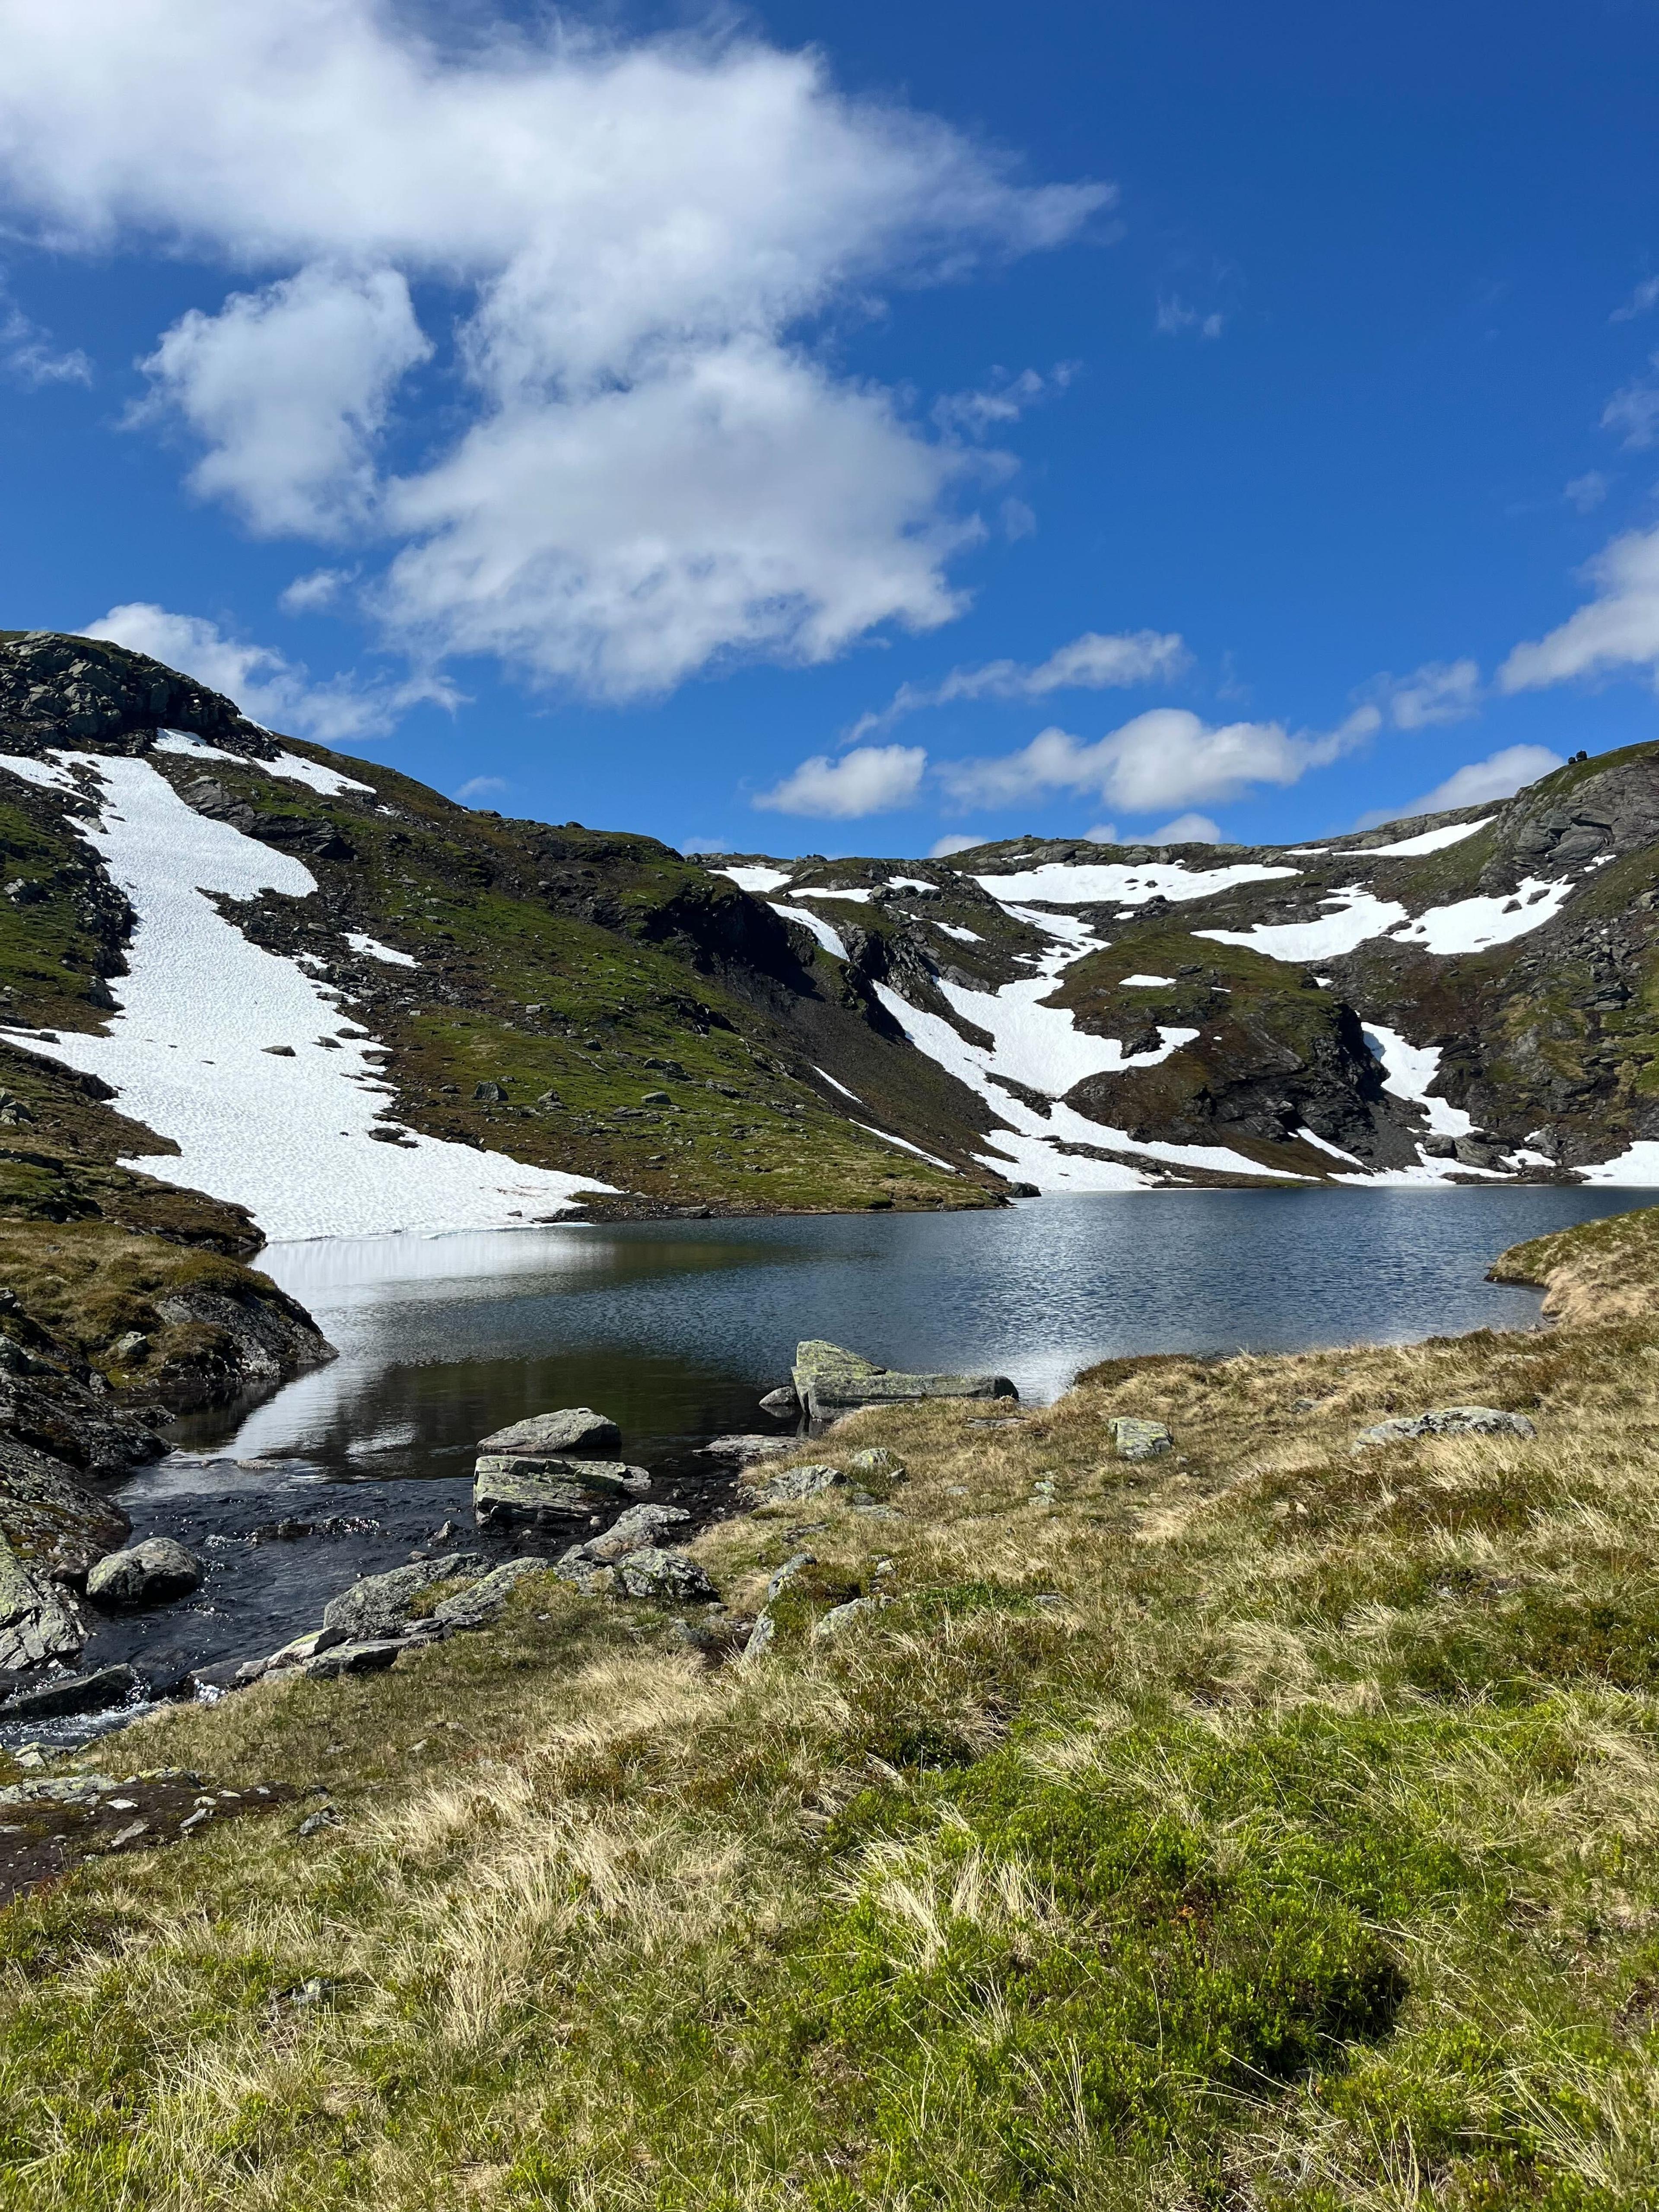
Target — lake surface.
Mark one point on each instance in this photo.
(676, 1329)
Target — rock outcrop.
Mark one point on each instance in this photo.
(829, 1381)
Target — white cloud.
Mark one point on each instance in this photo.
(1166, 757)
(1499, 776)
(480, 786)
(267, 687)
(1185, 829)
(1093, 662)
(1103, 833)
(691, 846)
(1645, 296)
(1174, 316)
(1634, 411)
(1618, 628)
(1439, 691)
(26, 352)
(869, 780)
(288, 389)
(942, 847)
(630, 243)
(307, 594)
(1587, 491)
(974, 414)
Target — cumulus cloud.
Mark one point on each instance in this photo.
(629, 246)
(267, 687)
(1166, 757)
(1185, 829)
(1618, 628)
(1587, 491)
(942, 847)
(481, 786)
(288, 389)
(1093, 662)
(872, 779)
(1500, 775)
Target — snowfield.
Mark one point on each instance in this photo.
(829, 938)
(215, 1045)
(1065, 882)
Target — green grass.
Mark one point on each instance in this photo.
(1272, 1825)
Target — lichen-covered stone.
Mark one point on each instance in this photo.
(511, 1486)
(573, 1430)
(1134, 1438)
(670, 1577)
(150, 1573)
(1448, 1421)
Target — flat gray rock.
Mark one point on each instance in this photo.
(573, 1429)
(639, 1529)
(149, 1573)
(748, 1447)
(1448, 1421)
(73, 1693)
(1134, 1438)
(509, 1487)
(829, 1380)
(369, 1658)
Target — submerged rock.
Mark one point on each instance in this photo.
(573, 1429)
(149, 1573)
(509, 1487)
(1448, 1421)
(1134, 1438)
(829, 1381)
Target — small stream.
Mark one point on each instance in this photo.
(675, 1329)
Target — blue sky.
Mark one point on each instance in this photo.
(851, 429)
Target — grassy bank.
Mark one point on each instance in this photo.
(1271, 1824)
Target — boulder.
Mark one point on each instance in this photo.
(73, 1693)
(668, 1577)
(379, 1605)
(477, 1606)
(1448, 1421)
(574, 1430)
(591, 1577)
(37, 1619)
(636, 1531)
(797, 1482)
(788, 1571)
(829, 1381)
(877, 1466)
(842, 1617)
(511, 1487)
(747, 1447)
(1133, 1438)
(149, 1573)
(782, 1403)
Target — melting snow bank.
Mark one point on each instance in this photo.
(1638, 1168)
(829, 938)
(216, 1045)
(1087, 883)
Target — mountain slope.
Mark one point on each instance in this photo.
(323, 992)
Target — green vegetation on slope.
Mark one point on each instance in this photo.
(1273, 1823)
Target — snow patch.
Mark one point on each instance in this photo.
(842, 1087)
(1410, 1072)
(1146, 982)
(293, 765)
(962, 936)
(888, 1137)
(188, 1049)
(1323, 1144)
(1060, 883)
(1475, 923)
(34, 771)
(832, 890)
(1359, 913)
(756, 879)
(1638, 1168)
(1427, 841)
(376, 950)
(827, 937)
